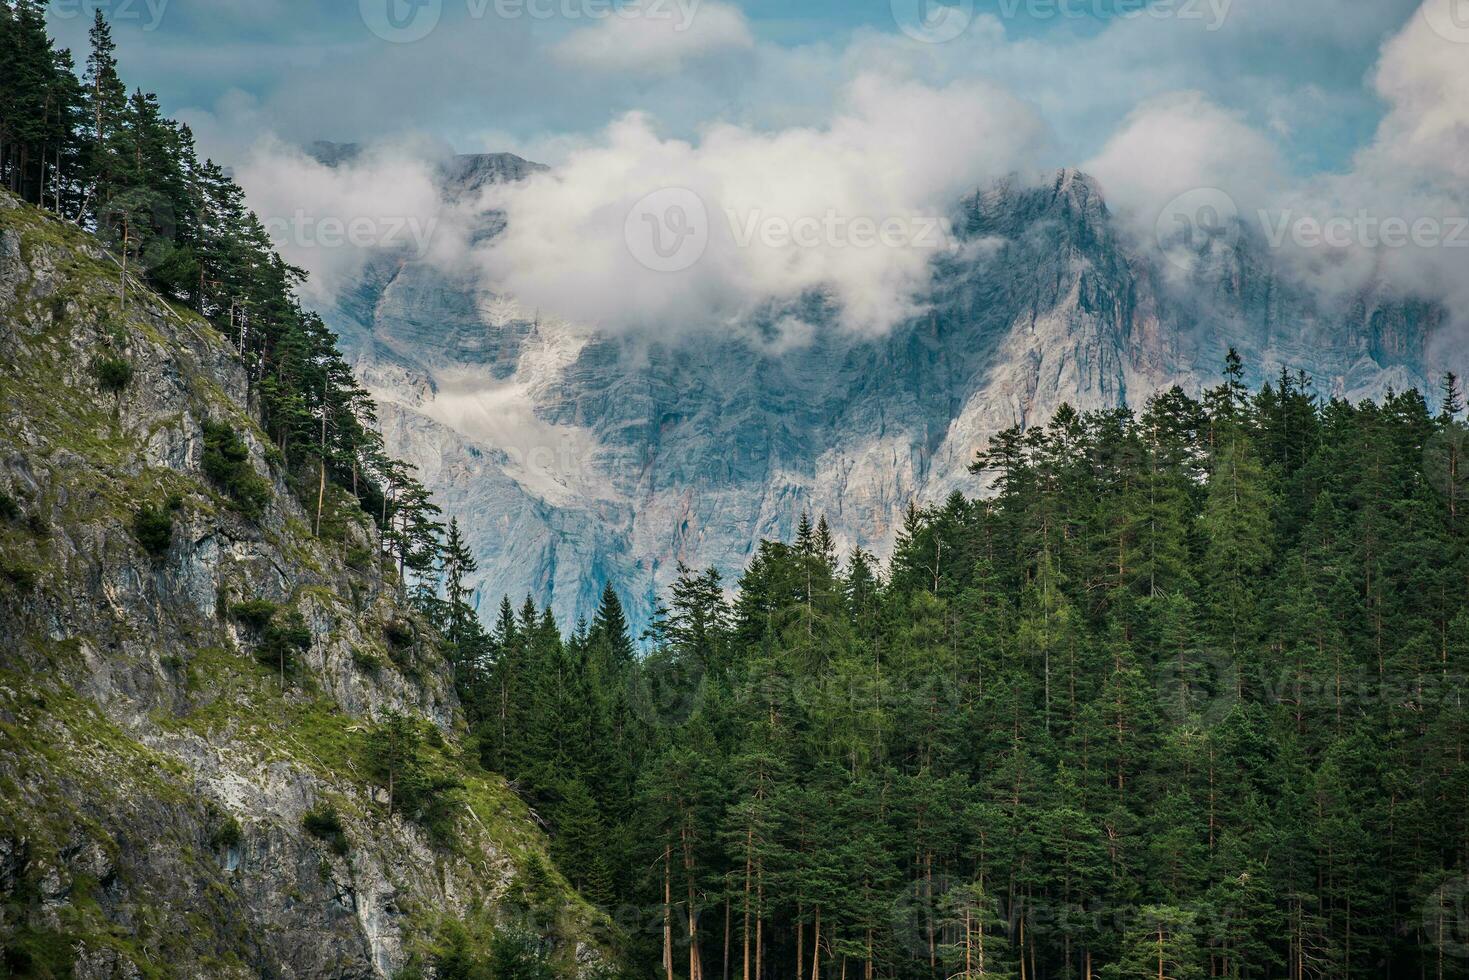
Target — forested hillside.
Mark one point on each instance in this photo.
(1185, 699)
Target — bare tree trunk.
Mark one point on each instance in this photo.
(696, 970)
(667, 912)
(759, 920)
(816, 945)
(749, 836)
(321, 485)
(800, 940)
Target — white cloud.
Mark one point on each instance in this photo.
(331, 220)
(788, 212)
(656, 39)
(876, 126)
(1424, 76)
(1181, 143)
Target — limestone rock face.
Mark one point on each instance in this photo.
(154, 774)
(575, 459)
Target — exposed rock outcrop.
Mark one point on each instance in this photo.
(154, 773)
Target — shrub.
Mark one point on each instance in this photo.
(399, 632)
(256, 613)
(359, 559)
(227, 463)
(226, 834)
(23, 577)
(113, 373)
(153, 527)
(366, 661)
(324, 823)
(282, 641)
(521, 956)
(9, 509)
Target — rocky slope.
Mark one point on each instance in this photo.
(155, 775)
(575, 459)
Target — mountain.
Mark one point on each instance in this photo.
(575, 459)
(228, 748)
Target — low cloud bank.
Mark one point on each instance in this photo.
(637, 231)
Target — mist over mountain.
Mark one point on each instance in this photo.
(576, 457)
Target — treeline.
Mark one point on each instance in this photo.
(111, 162)
(1184, 699)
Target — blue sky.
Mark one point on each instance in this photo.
(304, 70)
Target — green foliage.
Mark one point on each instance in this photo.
(22, 577)
(113, 374)
(227, 462)
(281, 641)
(256, 614)
(9, 509)
(399, 633)
(519, 956)
(417, 781)
(1184, 698)
(153, 527)
(366, 660)
(226, 833)
(324, 823)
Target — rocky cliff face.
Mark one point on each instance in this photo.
(574, 460)
(154, 773)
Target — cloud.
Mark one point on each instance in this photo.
(1424, 76)
(772, 140)
(657, 39)
(850, 213)
(1179, 143)
(331, 220)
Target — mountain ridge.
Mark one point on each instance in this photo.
(655, 454)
